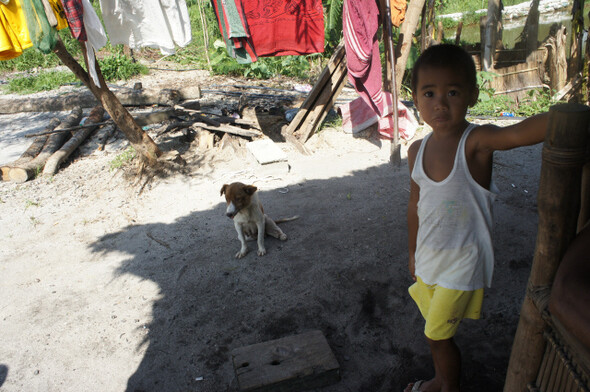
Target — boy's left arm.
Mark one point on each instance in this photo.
(489, 138)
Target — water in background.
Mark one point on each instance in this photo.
(513, 28)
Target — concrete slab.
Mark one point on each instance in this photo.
(266, 151)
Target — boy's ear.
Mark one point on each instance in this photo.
(474, 97)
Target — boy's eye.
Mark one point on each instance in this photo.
(453, 93)
(428, 94)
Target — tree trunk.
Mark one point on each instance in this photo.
(408, 28)
(140, 140)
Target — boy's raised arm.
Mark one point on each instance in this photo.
(489, 138)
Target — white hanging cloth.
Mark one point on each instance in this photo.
(96, 37)
(156, 24)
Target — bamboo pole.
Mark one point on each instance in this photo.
(564, 154)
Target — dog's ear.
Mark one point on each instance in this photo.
(250, 189)
(223, 188)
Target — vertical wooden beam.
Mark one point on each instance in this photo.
(564, 154)
(490, 38)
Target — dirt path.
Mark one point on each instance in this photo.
(105, 289)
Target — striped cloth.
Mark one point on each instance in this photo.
(360, 22)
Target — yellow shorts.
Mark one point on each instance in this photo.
(444, 308)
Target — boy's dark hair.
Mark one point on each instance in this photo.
(446, 56)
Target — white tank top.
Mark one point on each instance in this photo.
(454, 244)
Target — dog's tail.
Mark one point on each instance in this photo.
(282, 220)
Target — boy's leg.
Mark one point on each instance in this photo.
(447, 366)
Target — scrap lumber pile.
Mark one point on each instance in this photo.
(51, 147)
(321, 98)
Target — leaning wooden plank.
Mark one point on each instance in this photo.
(324, 78)
(323, 104)
(228, 129)
(27, 170)
(33, 150)
(79, 136)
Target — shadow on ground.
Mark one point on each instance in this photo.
(342, 271)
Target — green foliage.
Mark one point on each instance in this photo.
(536, 101)
(119, 66)
(332, 23)
(43, 81)
(263, 68)
(124, 159)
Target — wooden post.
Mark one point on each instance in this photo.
(458, 35)
(564, 154)
(489, 41)
(576, 36)
(531, 29)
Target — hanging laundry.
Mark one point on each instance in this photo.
(360, 22)
(14, 35)
(281, 28)
(74, 11)
(42, 34)
(357, 116)
(234, 30)
(159, 24)
(86, 27)
(398, 11)
(96, 37)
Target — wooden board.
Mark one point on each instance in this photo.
(290, 364)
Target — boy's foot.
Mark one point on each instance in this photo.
(421, 386)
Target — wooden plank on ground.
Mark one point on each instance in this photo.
(294, 363)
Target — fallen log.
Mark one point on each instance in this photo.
(66, 150)
(26, 171)
(33, 150)
(86, 99)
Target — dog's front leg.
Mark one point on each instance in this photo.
(260, 226)
(244, 249)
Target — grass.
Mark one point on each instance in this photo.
(43, 81)
(124, 159)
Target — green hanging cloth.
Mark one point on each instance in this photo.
(42, 34)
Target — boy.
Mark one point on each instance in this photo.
(450, 206)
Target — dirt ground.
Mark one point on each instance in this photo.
(106, 288)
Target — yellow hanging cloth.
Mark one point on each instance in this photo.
(14, 34)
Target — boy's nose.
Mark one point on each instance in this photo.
(441, 104)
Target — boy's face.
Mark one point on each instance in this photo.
(442, 96)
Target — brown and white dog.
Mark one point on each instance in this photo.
(244, 207)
